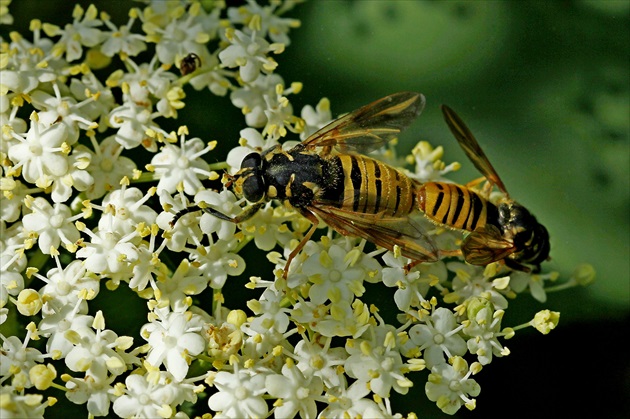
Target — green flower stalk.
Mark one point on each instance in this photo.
(91, 179)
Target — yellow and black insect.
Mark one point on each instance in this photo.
(328, 177)
(506, 231)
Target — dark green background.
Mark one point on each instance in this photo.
(545, 87)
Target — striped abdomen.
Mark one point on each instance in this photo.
(456, 206)
(368, 186)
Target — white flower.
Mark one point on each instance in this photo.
(450, 386)
(344, 319)
(186, 230)
(16, 358)
(12, 283)
(16, 404)
(130, 210)
(146, 396)
(93, 391)
(76, 177)
(251, 98)
(475, 281)
(12, 198)
(438, 336)
(59, 319)
(182, 35)
(58, 109)
(484, 329)
(376, 361)
(9, 121)
(217, 261)
(267, 19)
(175, 289)
(53, 225)
(257, 345)
(216, 80)
(95, 101)
(145, 83)
(520, 281)
(173, 339)
(269, 312)
(135, 123)
(317, 118)
(279, 111)
(108, 252)
(239, 395)
(41, 153)
(95, 350)
(335, 274)
(428, 166)
(107, 166)
(12, 243)
(67, 285)
(182, 165)
(297, 392)
(23, 72)
(249, 53)
(269, 227)
(350, 402)
(320, 361)
(412, 286)
(148, 265)
(81, 32)
(120, 40)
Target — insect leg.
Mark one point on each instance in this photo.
(442, 254)
(243, 216)
(187, 210)
(315, 221)
(514, 265)
(485, 189)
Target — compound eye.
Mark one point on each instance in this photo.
(252, 161)
(253, 184)
(254, 187)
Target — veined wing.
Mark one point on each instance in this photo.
(484, 246)
(371, 126)
(383, 231)
(471, 147)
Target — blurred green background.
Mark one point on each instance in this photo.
(545, 87)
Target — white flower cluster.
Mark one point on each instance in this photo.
(79, 208)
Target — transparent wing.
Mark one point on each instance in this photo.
(486, 245)
(371, 126)
(382, 231)
(471, 147)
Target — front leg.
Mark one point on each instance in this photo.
(315, 221)
(245, 215)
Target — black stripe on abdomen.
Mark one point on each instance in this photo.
(356, 178)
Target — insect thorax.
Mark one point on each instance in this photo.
(297, 176)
